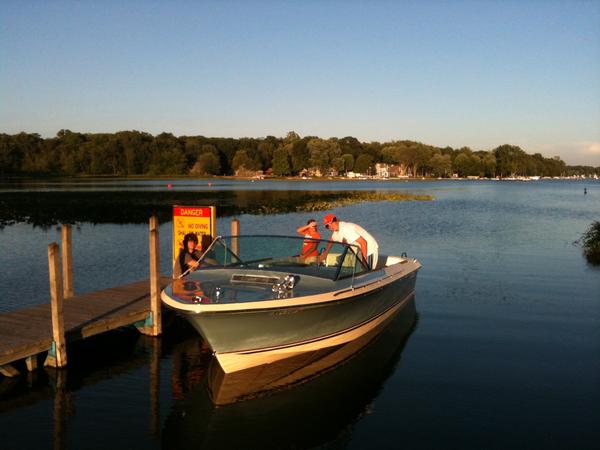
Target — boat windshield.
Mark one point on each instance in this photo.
(285, 254)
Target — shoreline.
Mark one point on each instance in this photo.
(16, 178)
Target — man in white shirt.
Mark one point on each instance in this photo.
(351, 233)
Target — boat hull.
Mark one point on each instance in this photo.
(264, 379)
(247, 337)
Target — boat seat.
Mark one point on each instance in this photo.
(333, 260)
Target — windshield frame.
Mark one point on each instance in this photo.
(226, 242)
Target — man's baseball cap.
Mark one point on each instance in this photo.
(329, 218)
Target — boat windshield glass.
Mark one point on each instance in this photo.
(285, 254)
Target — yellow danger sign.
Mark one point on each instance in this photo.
(199, 220)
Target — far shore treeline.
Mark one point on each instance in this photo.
(127, 153)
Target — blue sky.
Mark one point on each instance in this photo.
(459, 73)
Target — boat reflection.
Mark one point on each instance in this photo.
(301, 402)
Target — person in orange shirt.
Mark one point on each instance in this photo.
(310, 251)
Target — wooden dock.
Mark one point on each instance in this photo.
(29, 332)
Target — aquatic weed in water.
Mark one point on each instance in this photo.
(590, 242)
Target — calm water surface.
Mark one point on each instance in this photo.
(503, 350)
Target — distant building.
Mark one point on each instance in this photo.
(383, 170)
(316, 172)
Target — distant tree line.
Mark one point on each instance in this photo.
(139, 153)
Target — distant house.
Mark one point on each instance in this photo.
(383, 170)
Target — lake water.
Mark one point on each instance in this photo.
(502, 352)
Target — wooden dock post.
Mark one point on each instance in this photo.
(31, 363)
(57, 356)
(155, 328)
(67, 260)
(235, 231)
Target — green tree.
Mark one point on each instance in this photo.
(291, 137)
(390, 154)
(299, 154)
(363, 163)
(509, 160)
(348, 162)
(168, 162)
(412, 155)
(488, 163)
(350, 145)
(476, 168)
(168, 157)
(243, 161)
(441, 165)
(281, 162)
(206, 164)
(319, 155)
(192, 148)
(11, 155)
(462, 164)
(68, 149)
(422, 157)
(265, 153)
(325, 155)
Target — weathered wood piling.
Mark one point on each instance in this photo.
(57, 355)
(67, 260)
(235, 231)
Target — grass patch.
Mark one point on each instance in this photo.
(48, 208)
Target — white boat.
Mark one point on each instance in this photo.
(255, 301)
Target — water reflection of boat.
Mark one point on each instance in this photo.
(317, 412)
(244, 384)
(255, 304)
